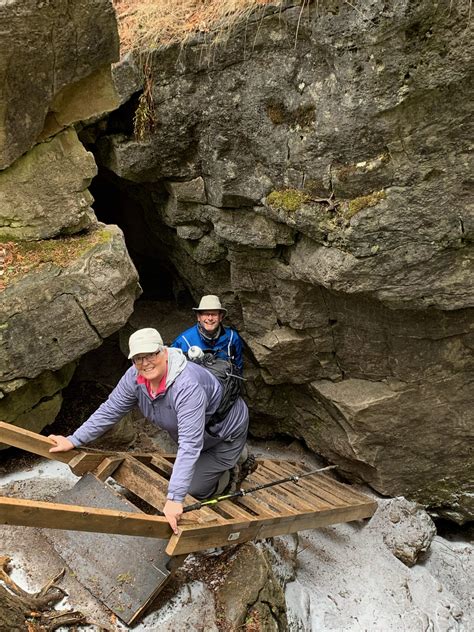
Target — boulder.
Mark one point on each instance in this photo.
(44, 193)
(36, 404)
(56, 313)
(250, 593)
(406, 528)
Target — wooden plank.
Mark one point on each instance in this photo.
(233, 511)
(153, 488)
(288, 492)
(145, 483)
(35, 513)
(324, 485)
(38, 444)
(162, 464)
(341, 490)
(107, 467)
(259, 506)
(270, 496)
(311, 491)
(32, 442)
(299, 490)
(192, 539)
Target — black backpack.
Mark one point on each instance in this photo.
(229, 378)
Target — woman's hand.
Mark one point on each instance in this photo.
(62, 444)
(173, 511)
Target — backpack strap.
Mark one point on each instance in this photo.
(186, 341)
(230, 343)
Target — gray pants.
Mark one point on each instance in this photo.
(213, 462)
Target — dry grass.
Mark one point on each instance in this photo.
(19, 258)
(151, 24)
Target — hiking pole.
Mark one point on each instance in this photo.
(243, 492)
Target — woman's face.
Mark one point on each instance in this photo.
(210, 320)
(151, 366)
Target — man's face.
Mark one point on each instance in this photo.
(210, 320)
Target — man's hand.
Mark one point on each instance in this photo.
(173, 511)
(62, 444)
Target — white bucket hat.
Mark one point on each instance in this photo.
(209, 302)
(146, 340)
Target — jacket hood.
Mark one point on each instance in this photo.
(176, 363)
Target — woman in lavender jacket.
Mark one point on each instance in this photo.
(178, 396)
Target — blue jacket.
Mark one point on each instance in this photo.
(191, 397)
(228, 345)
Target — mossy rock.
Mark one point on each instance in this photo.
(364, 201)
(287, 199)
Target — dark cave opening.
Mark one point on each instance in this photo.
(129, 205)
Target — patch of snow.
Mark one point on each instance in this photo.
(347, 580)
(44, 468)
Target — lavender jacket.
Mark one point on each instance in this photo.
(192, 395)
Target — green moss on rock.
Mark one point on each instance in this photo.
(287, 199)
(364, 201)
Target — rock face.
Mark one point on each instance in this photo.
(44, 193)
(53, 57)
(55, 70)
(321, 189)
(54, 315)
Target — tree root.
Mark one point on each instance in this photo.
(20, 610)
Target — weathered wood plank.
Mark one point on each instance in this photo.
(289, 493)
(32, 442)
(302, 492)
(309, 488)
(271, 496)
(153, 488)
(107, 467)
(80, 461)
(35, 513)
(320, 482)
(199, 538)
(259, 506)
(161, 464)
(231, 510)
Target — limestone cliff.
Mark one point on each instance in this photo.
(314, 172)
(67, 281)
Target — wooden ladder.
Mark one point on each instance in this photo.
(315, 501)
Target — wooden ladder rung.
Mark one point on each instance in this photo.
(153, 488)
(291, 494)
(303, 491)
(272, 497)
(324, 486)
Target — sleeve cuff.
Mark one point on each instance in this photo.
(74, 441)
(175, 497)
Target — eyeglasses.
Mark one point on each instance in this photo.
(139, 360)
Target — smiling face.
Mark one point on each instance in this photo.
(210, 320)
(151, 366)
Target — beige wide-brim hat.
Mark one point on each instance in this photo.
(208, 302)
(146, 340)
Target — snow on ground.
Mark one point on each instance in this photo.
(346, 580)
(44, 469)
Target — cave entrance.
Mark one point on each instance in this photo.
(133, 207)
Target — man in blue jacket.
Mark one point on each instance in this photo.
(210, 334)
(180, 397)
